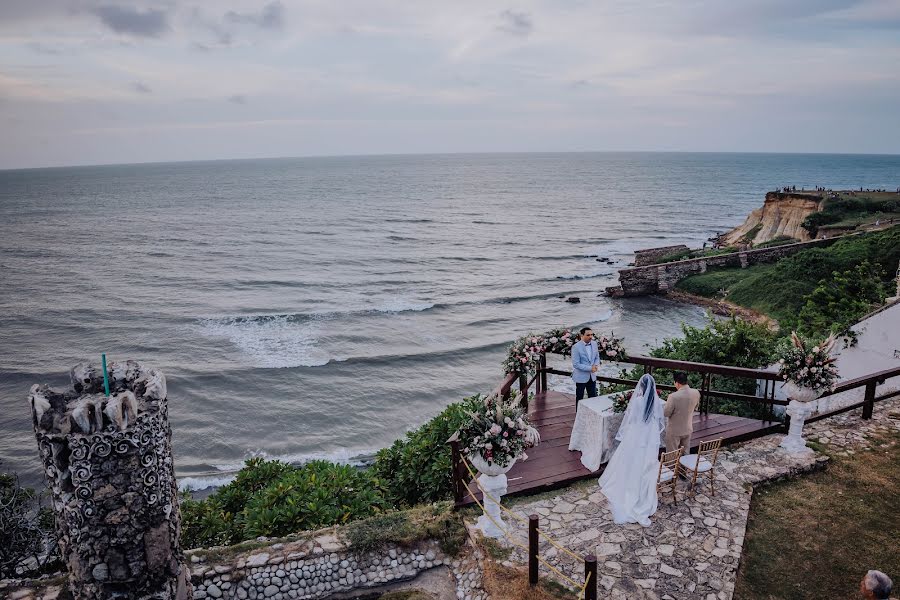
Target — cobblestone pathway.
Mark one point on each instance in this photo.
(693, 548)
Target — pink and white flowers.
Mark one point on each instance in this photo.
(498, 431)
(524, 354)
(812, 368)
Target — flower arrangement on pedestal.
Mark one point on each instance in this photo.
(807, 365)
(524, 354)
(498, 432)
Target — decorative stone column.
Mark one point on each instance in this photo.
(108, 462)
(799, 409)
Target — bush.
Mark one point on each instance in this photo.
(417, 469)
(271, 498)
(731, 342)
(26, 530)
(841, 300)
(434, 521)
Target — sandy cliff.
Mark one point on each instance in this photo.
(780, 215)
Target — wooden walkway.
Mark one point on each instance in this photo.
(551, 464)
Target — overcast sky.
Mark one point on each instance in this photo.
(101, 81)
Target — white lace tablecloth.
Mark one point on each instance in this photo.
(594, 431)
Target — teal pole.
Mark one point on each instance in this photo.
(105, 376)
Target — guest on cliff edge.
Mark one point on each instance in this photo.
(585, 362)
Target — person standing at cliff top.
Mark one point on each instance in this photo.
(585, 362)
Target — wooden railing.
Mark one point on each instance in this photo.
(870, 382)
(538, 381)
(708, 371)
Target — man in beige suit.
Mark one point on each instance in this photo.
(679, 410)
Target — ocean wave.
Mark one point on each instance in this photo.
(228, 471)
(408, 221)
(576, 276)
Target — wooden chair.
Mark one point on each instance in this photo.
(703, 463)
(668, 471)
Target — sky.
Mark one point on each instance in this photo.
(104, 81)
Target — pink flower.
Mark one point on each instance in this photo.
(506, 434)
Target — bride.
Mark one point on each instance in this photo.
(629, 481)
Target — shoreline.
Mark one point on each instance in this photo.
(723, 308)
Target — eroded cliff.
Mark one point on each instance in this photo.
(781, 215)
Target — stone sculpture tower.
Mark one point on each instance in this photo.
(108, 462)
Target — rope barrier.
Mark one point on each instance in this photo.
(554, 543)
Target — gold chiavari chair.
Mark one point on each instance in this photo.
(703, 463)
(668, 471)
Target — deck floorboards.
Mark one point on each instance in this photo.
(551, 465)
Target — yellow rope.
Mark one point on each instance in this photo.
(556, 545)
(553, 542)
(558, 572)
(520, 518)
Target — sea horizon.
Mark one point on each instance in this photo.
(322, 307)
(460, 153)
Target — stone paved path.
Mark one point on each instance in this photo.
(692, 549)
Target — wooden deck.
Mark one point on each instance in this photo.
(552, 465)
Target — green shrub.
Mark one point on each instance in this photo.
(271, 498)
(841, 300)
(434, 521)
(731, 342)
(26, 529)
(781, 240)
(417, 468)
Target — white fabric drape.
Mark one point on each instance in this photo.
(629, 481)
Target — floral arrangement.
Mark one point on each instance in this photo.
(524, 354)
(560, 341)
(808, 365)
(498, 431)
(620, 401)
(611, 348)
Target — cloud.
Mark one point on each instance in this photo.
(149, 23)
(515, 23)
(271, 16)
(141, 88)
(238, 99)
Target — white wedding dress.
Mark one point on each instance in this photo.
(629, 481)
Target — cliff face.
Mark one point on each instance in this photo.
(780, 215)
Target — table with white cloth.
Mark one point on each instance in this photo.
(594, 431)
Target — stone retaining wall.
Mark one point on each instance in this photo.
(651, 256)
(659, 279)
(321, 567)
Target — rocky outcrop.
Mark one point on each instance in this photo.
(780, 216)
(661, 278)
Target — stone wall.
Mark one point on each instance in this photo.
(650, 256)
(322, 567)
(659, 279)
(109, 468)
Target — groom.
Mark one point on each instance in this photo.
(679, 408)
(585, 362)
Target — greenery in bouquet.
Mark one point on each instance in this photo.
(807, 364)
(497, 431)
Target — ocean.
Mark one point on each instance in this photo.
(322, 307)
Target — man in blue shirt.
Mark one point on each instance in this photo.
(585, 362)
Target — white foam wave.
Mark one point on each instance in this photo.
(396, 305)
(279, 342)
(201, 483)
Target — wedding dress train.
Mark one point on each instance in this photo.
(629, 481)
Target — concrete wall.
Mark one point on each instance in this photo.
(659, 279)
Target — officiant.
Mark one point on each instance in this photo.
(585, 363)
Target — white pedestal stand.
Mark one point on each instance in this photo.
(798, 410)
(493, 481)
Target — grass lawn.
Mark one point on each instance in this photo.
(816, 536)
